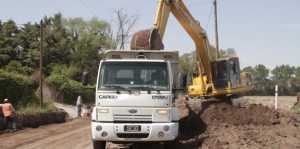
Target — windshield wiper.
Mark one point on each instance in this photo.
(147, 88)
(118, 88)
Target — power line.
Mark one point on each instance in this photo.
(98, 3)
(209, 17)
(94, 14)
(95, 8)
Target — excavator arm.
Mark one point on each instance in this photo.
(213, 78)
(192, 27)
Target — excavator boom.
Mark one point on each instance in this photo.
(212, 77)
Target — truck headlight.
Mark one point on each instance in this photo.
(163, 111)
(103, 110)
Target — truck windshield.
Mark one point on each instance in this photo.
(134, 76)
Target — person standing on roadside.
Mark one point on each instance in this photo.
(79, 105)
(9, 114)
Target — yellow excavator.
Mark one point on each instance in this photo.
(211, 78)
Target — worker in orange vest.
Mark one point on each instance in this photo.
(9, 114)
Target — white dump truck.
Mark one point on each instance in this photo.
(135, 93)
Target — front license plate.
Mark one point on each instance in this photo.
(132, 128)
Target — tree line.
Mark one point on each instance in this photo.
(71, 46)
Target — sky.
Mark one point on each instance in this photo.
(261, 31)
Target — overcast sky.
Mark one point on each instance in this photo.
(261, 31)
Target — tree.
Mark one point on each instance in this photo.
(260, 80)
(297, 73)
(187, 62)
(248, 69)
(230, 52)
(283, 76)
(283, 72)
(124, 24)
(261, 73)
(296, 81)
(56, 42)
(9, 44)
(87, 40)
(28, 41)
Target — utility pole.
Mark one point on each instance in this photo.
(216, 30)
(41, 63)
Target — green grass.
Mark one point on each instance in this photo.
(35, 108)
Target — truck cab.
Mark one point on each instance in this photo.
(134, 97)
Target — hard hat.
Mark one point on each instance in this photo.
(6, 100)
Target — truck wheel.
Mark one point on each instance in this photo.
(99, 144)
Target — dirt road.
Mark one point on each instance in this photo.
(74, 134)
(216, 126)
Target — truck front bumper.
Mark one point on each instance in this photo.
(134, 132)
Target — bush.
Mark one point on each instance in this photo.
(63, 84)
(16, 67)
(17, 88)
(70, 72)
(34, 108)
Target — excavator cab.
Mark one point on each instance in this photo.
(226, 73)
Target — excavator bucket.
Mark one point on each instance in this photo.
(148, 39)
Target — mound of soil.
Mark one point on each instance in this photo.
(253, 114)
(221, 125)
(191, 123)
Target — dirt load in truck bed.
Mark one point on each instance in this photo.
(218, 125)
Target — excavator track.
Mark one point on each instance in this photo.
(197, 104)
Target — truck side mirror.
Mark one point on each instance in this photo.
(85, 78)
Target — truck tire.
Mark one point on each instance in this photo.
(99, 144)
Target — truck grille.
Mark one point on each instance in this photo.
(132, 135)
(133, 118)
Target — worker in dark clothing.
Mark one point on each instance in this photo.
(78, 106)
(9, 114)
